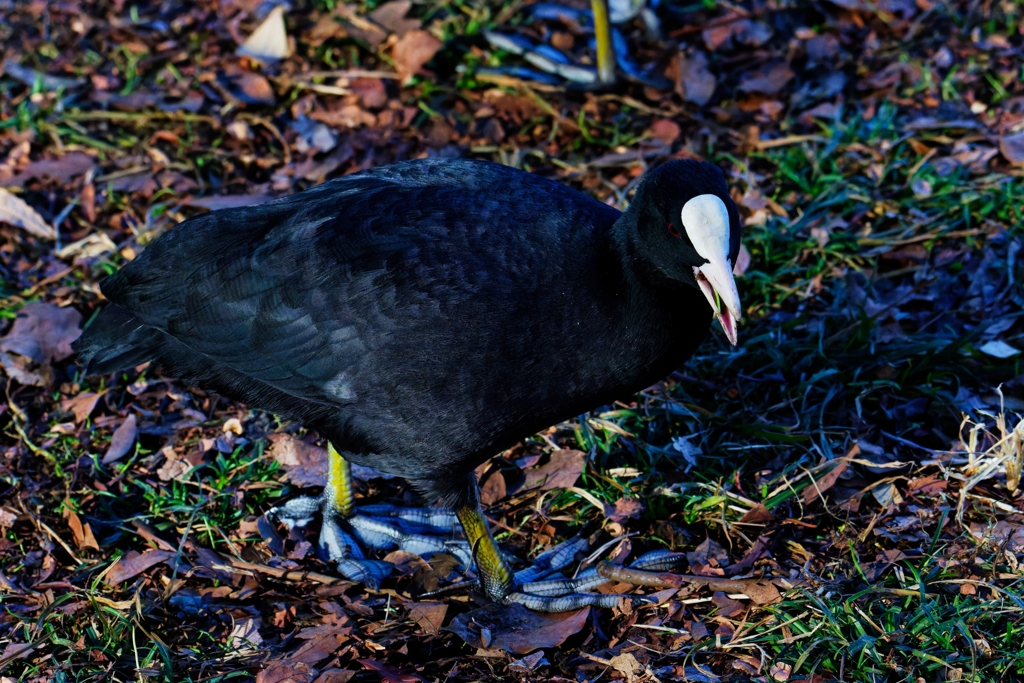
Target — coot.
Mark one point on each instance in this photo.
(424, 316)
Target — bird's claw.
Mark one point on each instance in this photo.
(536, 590)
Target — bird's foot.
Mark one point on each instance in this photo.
(540, 587)
(343, 538)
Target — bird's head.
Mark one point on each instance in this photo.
(688, 229)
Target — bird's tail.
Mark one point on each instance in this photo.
(116, 340)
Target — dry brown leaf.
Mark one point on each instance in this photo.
(627, 664)
(389, 674)
(624, 508)
(493, 489)
(121, 441)
(391, 15)
(335, 676)
(761, 592)
(694, 81)
(82, 532)
(562, 470)
(371, 91)
(820, 485)
(781, 671)
(767, 80)
(62, 169)
(82, 404)
(304, 464)
(727, 607)
(1012, 148)
(247, 87)
(133, 563)
(16, 212)
(758, 514)
(412, 51)
(318, 648)
(245, 635)
(515, 628)
(708, 558)
(428, 615)
(43, 332)
(279, 671)
(666, 130)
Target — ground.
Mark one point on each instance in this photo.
(844, 482)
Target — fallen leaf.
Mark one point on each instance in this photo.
(694, 81)
(887, 495)
(625, 508)
(998, 349)
(930, 485)
(756, 552)
(279, 671)
(335, 676)
(82, 404)
(627, 664)
(61, 169)
(16, 212)
(121, 441)
(133, 563)
(389, 674)
(82, 532)
(318, 648)
(824, 483)
(743, 31)
(780, 671)
(529, 663)
(767, 80)
(727, 607)
(391, 15)
(245, 636)
(562, 470)
(304, 464)
(43, 332)
(16, 651)
(428, 615)
(16, 368)
(493, 489)
(1012, 148)
(708, 555)
(412, 51)
(517, 629)
(666, 130)
(371, 91)
(247, 87)
(269, 42)
(758, 514)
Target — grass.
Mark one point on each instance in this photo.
(861, 327)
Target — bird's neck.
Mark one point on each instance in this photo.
(639, 272)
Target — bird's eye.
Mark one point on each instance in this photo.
(672, 230)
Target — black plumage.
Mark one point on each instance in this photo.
(422, 316)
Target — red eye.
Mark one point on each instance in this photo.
(672, 230)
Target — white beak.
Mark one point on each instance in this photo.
(706, 221)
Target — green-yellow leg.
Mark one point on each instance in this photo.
(603, 34)
(495, 574)
(339, 491)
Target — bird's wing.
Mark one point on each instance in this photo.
(298, 293)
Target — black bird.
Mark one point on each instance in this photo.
(424, 316)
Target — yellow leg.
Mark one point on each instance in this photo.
(603, 34)
(339, 482)
(495, 574)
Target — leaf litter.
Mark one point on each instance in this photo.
(879, 268)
